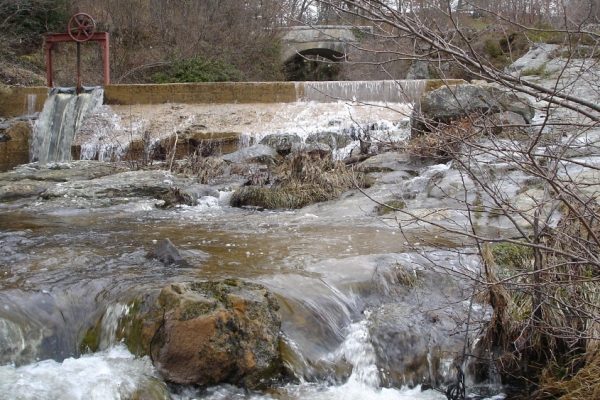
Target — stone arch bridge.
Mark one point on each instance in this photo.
(333, 42)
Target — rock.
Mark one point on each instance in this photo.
(10, 191)
(258, 153)
(206, 333)
(513, 103)
(538, 55)
(123, 185)
(316, 150)
(282, 143)
(333, 140)
(501, 123)
(414, 336)
(419, 69)
(62, 172)
(450, 102)
(386, 162)
(4, 137)
(167, 253)
(198, 191)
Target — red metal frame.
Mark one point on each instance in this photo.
(53, 38)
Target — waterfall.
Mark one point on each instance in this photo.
(400, 91)
(58, 123)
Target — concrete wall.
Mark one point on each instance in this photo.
(15, 151)
(198, 93)
(13, 99)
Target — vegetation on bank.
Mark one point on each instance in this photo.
(152, 42)
(301, 179)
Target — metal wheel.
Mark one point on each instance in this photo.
(81, 27)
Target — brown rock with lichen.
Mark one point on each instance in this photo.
(205, 333)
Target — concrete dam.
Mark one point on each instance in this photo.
(155, 106)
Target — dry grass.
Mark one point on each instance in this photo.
(444, 140)
(584, 385)
(302, 179)
(205, 169)
(557, 343)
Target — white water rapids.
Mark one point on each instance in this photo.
(68, 268)
(116, 374)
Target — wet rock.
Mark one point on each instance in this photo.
(282, 143)
(416, 338)
(12, 342)
(62, 172)
(167, 253)
(258, 153)
(333, 140)
(205, 333)
(123, 185)
(10, 191)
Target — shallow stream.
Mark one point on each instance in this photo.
(63, 271)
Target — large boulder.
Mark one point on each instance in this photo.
(205, 333)
(450, 103)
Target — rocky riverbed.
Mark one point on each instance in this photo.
(373, 299)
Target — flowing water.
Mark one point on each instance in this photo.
(60, 119)
(68, 268)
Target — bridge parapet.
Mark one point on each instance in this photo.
(329, 41)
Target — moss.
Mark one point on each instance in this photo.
(176, 289)
(91, 339)
(131, 330)
(194, 309)
(538, 71)
(389, 207)
(512, 256)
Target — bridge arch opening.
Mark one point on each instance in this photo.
(315, 64)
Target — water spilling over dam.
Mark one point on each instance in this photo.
(59, 122)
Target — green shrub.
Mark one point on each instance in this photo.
(199, 69)
(492, 48)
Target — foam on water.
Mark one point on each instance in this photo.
(111, 374)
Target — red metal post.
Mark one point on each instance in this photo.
(52, 38)
(49, 47)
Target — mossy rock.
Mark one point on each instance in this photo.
(209, 332)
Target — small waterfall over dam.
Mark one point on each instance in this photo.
(58, 123)
(147, 116)
(401, 91)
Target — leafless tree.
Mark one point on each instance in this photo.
(532, 188)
